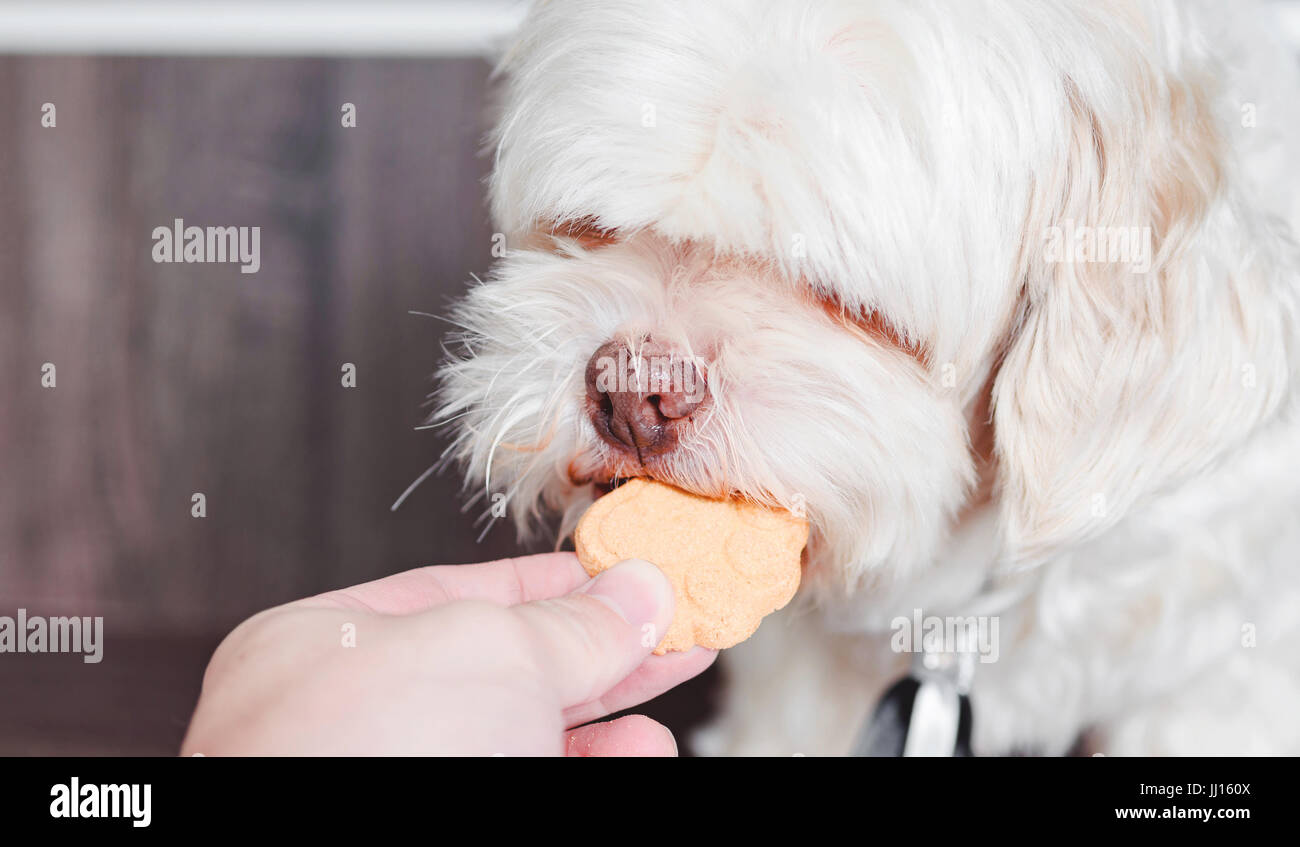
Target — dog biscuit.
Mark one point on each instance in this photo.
(730, 562)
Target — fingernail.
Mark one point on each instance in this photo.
(635, 589)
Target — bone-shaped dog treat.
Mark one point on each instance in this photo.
(730, 562)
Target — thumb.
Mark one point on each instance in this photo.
(591, 639)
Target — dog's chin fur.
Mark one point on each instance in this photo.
(842, 208)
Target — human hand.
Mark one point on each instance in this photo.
(503, 657)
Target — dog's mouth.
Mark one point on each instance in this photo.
(610, 485)
(603, 488)
(609, 477)
(605, 475)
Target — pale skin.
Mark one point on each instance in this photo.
(514, 657)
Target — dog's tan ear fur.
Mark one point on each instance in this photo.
(1117, 383)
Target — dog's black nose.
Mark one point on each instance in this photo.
(641, 394)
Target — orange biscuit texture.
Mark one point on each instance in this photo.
(730, 562)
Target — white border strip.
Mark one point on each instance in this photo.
(294, 27)
(269, 27)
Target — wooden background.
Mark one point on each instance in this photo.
(181, 378)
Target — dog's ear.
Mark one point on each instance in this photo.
(1129, 372)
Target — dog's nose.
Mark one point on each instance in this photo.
(642, 393)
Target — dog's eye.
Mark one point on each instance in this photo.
(586, 232)
(873, 324)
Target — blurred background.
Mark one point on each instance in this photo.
(176, 379)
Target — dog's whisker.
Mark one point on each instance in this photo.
(410, 488)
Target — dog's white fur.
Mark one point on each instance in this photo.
(1108, 460)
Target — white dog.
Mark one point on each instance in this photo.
(1004, 293)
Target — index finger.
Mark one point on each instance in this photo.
(505, 581)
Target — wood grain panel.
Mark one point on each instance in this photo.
(183, 378)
